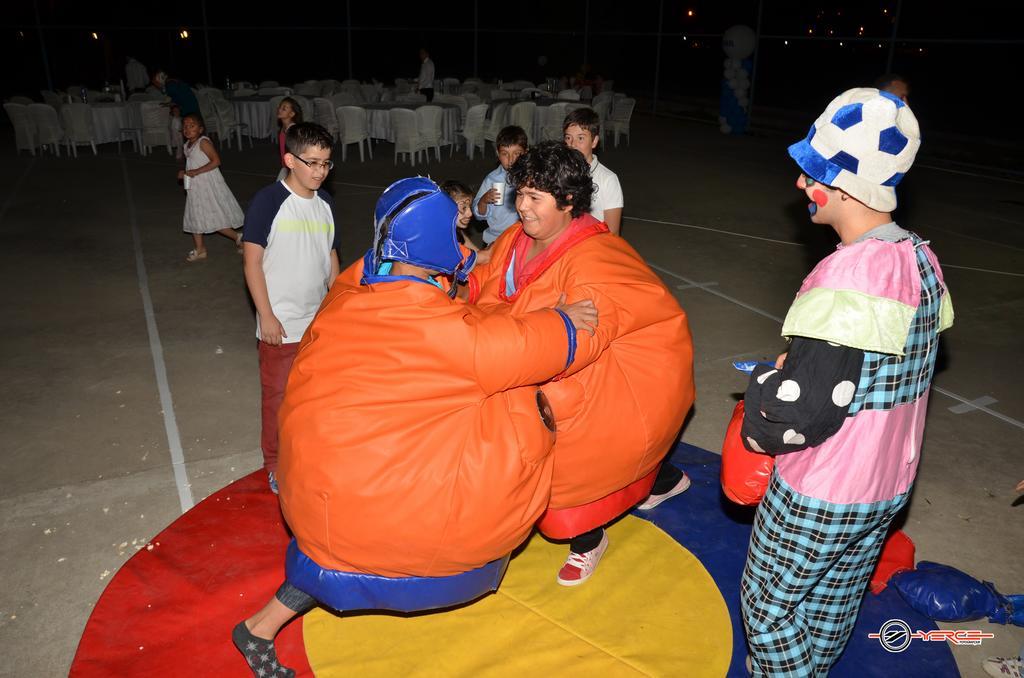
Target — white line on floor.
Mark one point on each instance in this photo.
(784, 242)
(1008, 420)
(714, 230)
(16, 188)
(706, 288)
(975, 404)
(766, 314)
(156, 349)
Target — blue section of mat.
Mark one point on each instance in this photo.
(718, 531)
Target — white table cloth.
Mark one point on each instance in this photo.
(109, 118)
(255, 112)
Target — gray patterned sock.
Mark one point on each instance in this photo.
(259, 654)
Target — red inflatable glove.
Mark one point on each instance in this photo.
(745, 474)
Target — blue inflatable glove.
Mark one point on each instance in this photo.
(944, 593)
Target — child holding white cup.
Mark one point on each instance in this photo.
(493, 202)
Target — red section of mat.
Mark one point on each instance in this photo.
(171, 609)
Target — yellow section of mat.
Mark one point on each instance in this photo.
(651, 609)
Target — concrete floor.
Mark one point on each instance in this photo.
(88, 468)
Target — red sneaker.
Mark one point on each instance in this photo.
(579, 566)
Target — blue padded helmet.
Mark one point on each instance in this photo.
(414, 223)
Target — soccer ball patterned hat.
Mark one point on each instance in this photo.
(863, 143)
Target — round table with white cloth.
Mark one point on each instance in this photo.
(109, 118)
(255, 112)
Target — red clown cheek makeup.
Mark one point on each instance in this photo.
(820, 200)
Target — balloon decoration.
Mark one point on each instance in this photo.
(734, 108)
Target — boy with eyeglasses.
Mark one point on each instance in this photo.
(291, 258)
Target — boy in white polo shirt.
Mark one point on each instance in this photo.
(582, 130)
(291, 259)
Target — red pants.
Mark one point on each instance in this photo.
(275, 364)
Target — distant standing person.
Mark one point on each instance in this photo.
(135, 74)
(425, 84)
(894, 84)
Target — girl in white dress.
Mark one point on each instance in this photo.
(210, 206)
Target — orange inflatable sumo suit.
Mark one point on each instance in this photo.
(406, 447)
(621, 404)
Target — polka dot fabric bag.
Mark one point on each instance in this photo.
(804, 403)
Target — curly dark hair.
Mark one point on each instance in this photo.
(553, 167)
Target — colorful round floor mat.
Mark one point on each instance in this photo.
(664, 602)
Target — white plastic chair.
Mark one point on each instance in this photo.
(52, 98)
(451, 85)
(229, 122)
(463, 109)
(24, 127)
(428, 123)
(521, 114)
(554, 118)
(354, 120)
(325, 115)
(569, 95)
(308, 89)
(370, 93)
(308, 111)
(602, 104)
(498, 115)
(473, 130)
(208, 109)
(404, 124)
(155, 126)
(79, 128)
(618, 121)
(47, 126)
(343, 99)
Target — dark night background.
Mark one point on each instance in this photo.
(962, 59)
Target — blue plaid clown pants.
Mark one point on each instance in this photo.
(807, 568)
